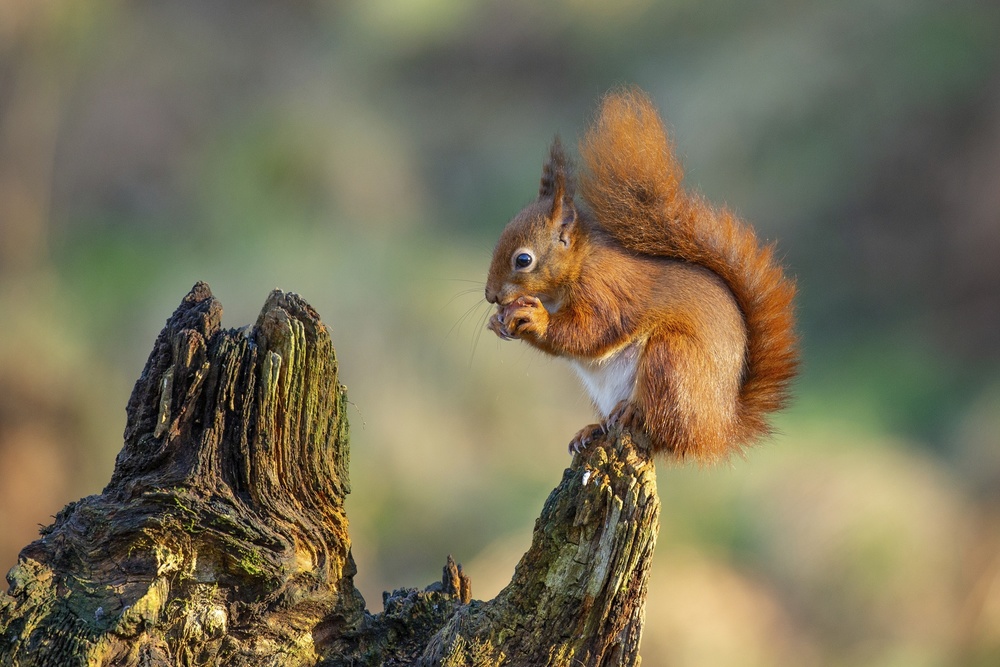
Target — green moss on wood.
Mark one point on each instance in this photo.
(222, 538)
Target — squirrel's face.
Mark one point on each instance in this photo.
(534, 254)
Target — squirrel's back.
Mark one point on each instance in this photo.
(631, 182)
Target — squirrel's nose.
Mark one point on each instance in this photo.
(491, 295)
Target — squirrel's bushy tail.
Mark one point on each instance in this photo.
(631, 181)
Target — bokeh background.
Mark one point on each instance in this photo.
(366, 155)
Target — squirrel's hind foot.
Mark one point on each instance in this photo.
(625, 416)
(585, 436)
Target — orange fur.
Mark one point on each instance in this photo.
(632, 183)
(663, 304)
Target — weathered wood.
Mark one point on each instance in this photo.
(577, 596)
(222, 537)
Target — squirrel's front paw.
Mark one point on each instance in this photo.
(524, 315)
(497, 326)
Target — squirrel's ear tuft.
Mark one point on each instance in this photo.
(556, 178)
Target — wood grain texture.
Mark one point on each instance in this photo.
(221, 538)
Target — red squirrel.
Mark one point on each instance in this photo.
(677, 320)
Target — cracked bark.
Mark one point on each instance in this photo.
(222, 538)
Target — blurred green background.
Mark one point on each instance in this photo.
(367, 154)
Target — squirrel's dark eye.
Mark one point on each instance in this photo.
(523, 260)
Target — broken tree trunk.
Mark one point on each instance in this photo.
(222, 539)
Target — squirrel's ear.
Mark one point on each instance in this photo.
(564, 215)
(557, 184)
(556, 179)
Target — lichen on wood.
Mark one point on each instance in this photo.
(222, 535)
(221, 538)
(577, 595)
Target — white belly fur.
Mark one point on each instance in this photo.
(610, 379)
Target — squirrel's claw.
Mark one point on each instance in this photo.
(625, 415)
(497, 326)
(584, 437)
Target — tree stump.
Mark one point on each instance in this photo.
(221, 538)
